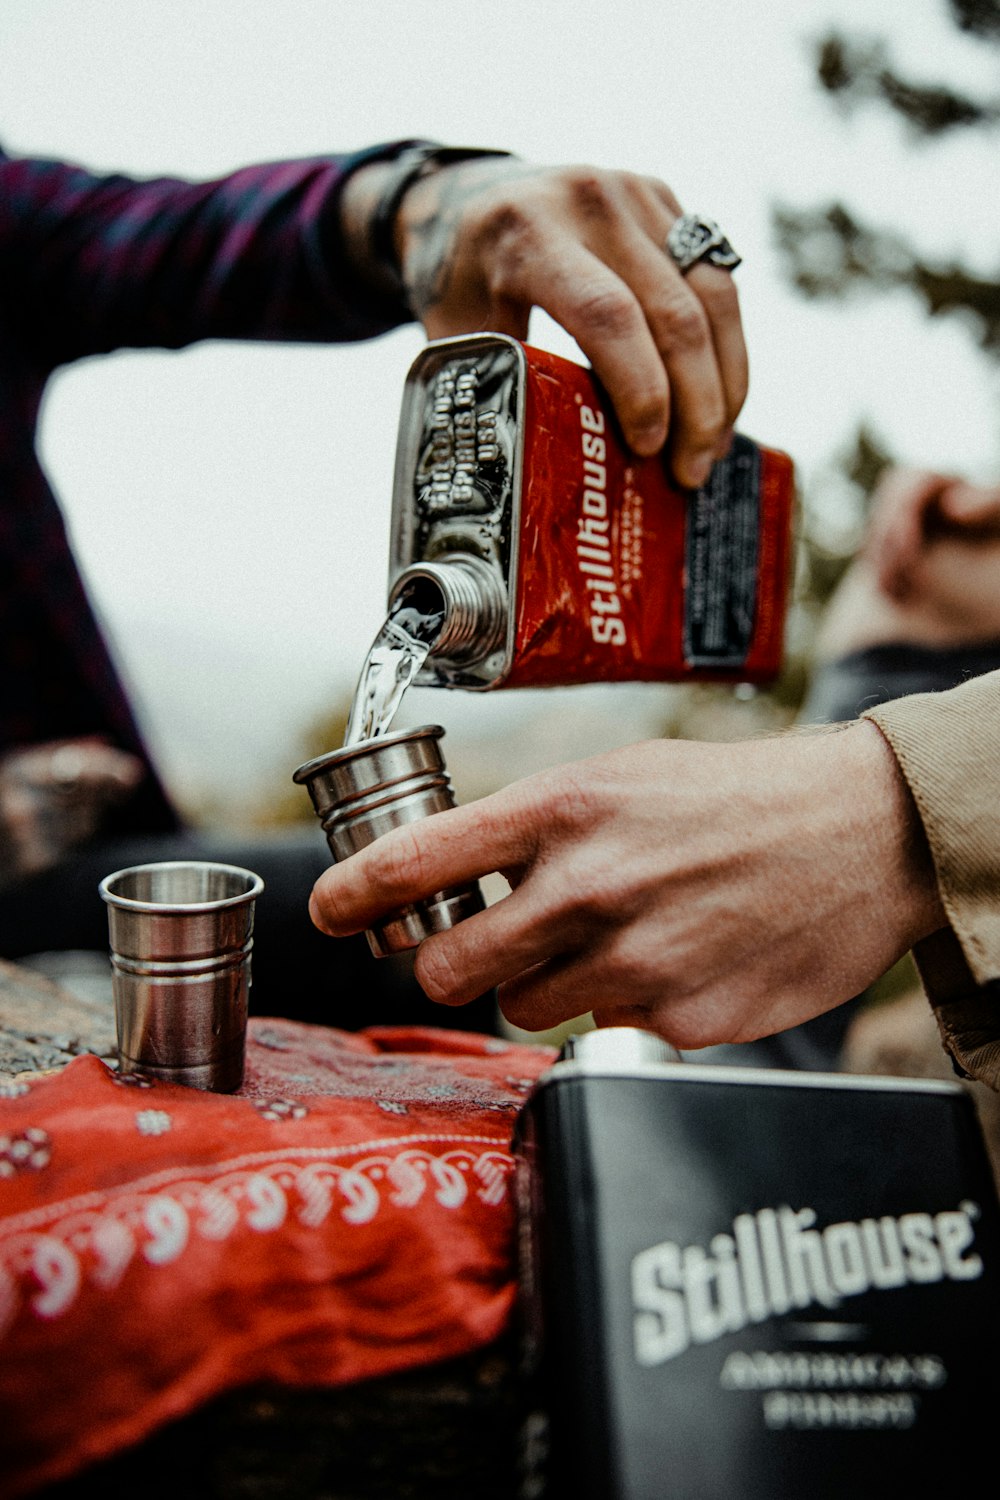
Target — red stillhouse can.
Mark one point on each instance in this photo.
(558, 555)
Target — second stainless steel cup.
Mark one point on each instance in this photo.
(363, 791)
(181, 936)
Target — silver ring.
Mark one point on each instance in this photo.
(693, 238)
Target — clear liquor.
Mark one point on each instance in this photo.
(397, 653)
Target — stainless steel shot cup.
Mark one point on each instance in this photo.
(363, 791)
(181, 936)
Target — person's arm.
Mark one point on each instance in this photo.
(709, 892)
(946, 748)
(285, 250)
(96, 262)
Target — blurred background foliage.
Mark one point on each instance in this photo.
(827, 254)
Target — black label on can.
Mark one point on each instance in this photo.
(720, 576)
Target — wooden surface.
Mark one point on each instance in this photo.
(43, 1024)
(447, 1433)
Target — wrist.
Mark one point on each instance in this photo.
(371, 206)
(359, 200)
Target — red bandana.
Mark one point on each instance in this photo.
(346, 1214)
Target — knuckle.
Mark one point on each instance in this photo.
(647, 197)
(400, 865)
(680, 324)
(565, 800)
(663, 194)
(507, 219)
(540, 800)
(608, 311)
(593, 191)
(594, 895)
(600, 900)
(563, 808)
(649, 406)
(508, 228)
(437, 972)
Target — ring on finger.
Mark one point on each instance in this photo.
(693, 239)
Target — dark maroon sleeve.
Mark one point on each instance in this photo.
(99, 262)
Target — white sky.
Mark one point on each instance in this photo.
(231, 503)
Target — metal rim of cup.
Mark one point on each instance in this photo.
(254, 886)
(364, 748)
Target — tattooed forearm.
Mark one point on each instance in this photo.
(443, 217)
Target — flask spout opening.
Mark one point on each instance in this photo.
(458, 597)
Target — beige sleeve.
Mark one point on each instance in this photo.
(948, 749)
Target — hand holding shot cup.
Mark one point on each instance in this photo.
(364, 791)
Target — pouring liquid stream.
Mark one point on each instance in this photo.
(397, 653)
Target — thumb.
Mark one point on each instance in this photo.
(971, 507)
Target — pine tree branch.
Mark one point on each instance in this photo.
(829, 254)
(857, 73)
(979, 17)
